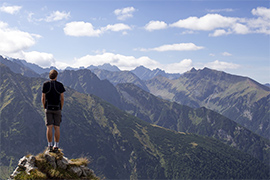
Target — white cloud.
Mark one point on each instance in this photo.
(220, 10)
(124, 33)
(180, 67)
(57, 16)
(205, 23)
(219, 32)
(40, 58)
(125, 13)
(131, 62)
(261, 12)
(14, 43)
(80, 28)
(174, 47)
(13, 40)
(222, 25)
(10, 9)
(155, 25)
(121, 61)
(261, 23)
(30, 17)
(219, 65)
(117, 27)
(240, 29)
(226, 54)
(188, 32)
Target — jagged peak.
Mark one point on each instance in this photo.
(193, 70)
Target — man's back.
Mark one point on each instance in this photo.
(53, 90)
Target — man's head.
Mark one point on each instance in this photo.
(53, 74)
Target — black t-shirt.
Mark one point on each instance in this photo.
(53, 89)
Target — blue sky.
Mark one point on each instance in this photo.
(231, 36)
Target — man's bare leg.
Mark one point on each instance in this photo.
(49, 133)
(56, 135)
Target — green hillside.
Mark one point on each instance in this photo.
(149, 108)
(200, 121)
(238, 98)
(121, 146)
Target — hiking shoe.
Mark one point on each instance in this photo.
(50, 148)
(55, 150)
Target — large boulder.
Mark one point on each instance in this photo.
(50, 165)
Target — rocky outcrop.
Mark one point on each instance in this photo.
(50, 165)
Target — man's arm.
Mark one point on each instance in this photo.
(43, 99)
(62, 100)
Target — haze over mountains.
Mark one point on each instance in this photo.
(145, 130)
(238, 98)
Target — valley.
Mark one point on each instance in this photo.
(131, 129)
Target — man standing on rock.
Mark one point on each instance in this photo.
(53, 101)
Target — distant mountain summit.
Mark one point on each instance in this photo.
(18, 66)
(145, 74)
(24, 68)
(238, 98)
(105, 66)
(33, 70)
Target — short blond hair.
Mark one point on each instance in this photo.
(53, 74)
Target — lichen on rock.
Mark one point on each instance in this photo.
(48, 165)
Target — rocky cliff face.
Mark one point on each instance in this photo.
(240, 99)
(48, 165)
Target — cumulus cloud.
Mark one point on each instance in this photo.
(125, 13)
(10, 9)
(131, 62)
(261, 23)
(117, 27)
(205, 23)
(40, 58)
(240, 29)
(57, 16)
(219, 32)
(13, 40)
(52, 17)
(226, 54)
(14, 43)
(222, 25)
(220, 10)
(174, 47)
(261, 12)
(155, 25)
(121, 61)
(80, 28)
(179, 67)
(220, 65)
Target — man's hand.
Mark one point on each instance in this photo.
(62, 100)
(43, 99)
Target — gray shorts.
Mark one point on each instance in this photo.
(53, 117)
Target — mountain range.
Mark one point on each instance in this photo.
(182, 104)
(174, 116)
(239, 98)
(33, 70)
(121, 146)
